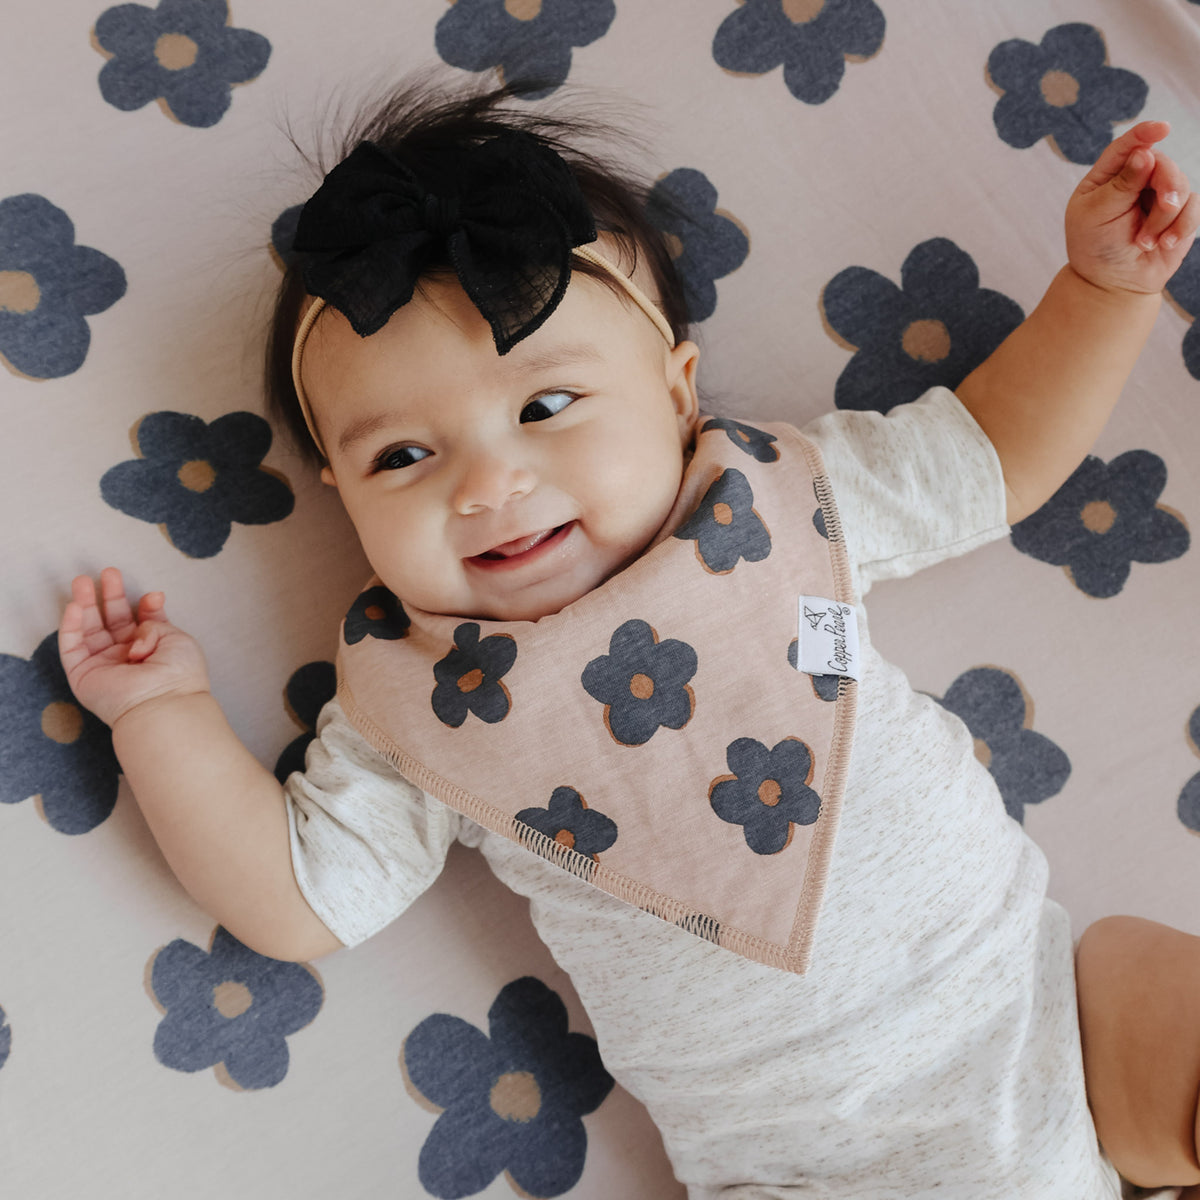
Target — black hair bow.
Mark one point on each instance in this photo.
(504, 213)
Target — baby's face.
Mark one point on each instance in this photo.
(502, 487)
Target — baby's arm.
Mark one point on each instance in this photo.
(217, 814)
(1045, 394)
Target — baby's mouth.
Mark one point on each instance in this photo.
(519, 546)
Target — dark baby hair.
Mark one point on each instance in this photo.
(421, 117)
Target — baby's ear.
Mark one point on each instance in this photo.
(682, 360)
(327, 476)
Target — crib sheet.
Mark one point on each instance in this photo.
(873, 193)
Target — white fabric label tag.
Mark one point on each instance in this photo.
(828, 638)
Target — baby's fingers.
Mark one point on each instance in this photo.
(1170, 189)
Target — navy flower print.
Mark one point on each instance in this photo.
(283, 235)
(759, 444)
(568, 821)
(5, 1038)
(1189, 798)
(1104, 519)
(705, 243)
(309, 689)
(767, 793)
(1063, 90)
(468, 678)
(642, 683)
(378, 614)
(196, 479)
(230, 1008)
(513, 1099)
(523, 39)
(1027, 766)
(52, 747)
(1183, 289)
(934, 329)
(48, 285)
(813, 39)
(183, 53)
(725, 526)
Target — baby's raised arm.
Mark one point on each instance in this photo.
(217, 814)
(1044, 395)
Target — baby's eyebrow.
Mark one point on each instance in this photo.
(553, 357)
(362, 428)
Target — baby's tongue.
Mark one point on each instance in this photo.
(517, 545)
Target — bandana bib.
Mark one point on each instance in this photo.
(680, 736)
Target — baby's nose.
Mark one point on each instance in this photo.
(489, 481)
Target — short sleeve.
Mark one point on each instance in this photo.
(912, 488)
(365, 842)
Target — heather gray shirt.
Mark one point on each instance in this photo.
(932, 1048)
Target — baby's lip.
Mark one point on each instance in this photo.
(516, 549)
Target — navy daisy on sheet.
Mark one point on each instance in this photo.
(767, 793)
(725, 526)
(523, 39)
(705, 242)
(1064, 90)
(512, 1099)
(468, 678)
(934, 329)
(195, 479)
(759, 444)
(376, 613)
(642, 683)
(308, 690)
(813, 39)
(230, 1008)
(183, 53)
(1104, 519)
(1189, 798)
(52, 747)
(1027, 766)
(48, 285)
(1183, 289)
(568, 821)
(5, 1038)
(283, 235)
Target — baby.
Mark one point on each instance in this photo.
(620, 648)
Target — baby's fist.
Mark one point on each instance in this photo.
(1133, 216)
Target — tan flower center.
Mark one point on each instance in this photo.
(515, 1096)
(19, 292)
(62, 721)
(983, 752)
(674, 245)
(1098, 516)
(197, 475)
(374, 613)
(800, 12)
(470, 681)
(769, 792)
(926, 341)
(722, 513)
(523, 10)
(642, 686)
(564, 837)
(1059, 89)
(231, 998)
(175, 51)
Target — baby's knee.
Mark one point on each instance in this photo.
(1138, 987)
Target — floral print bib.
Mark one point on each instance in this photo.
(656, 737)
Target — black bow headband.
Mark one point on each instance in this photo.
(504, 213)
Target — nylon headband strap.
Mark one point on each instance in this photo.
(589, 255)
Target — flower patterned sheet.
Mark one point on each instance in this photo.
(873, 193)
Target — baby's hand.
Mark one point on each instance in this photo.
(115, 661)
(1133, 216)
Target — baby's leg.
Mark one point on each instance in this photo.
(1139, 1014)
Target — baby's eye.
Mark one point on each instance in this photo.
(396, 457)
(546, 405)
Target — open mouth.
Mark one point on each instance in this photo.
(522, 549)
